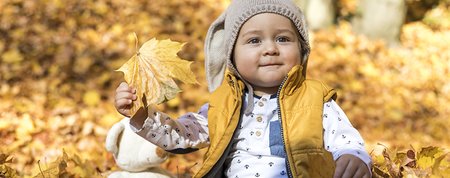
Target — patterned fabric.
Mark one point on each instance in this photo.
(188, 131)
(258, 149)
(340, 137)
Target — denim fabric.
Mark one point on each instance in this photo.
(275, 139)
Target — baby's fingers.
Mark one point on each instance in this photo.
(351, 170)
(123, 87)
(122, 103)
(348, 166)
(123, 106)
(125, 95)
(362, 172)
(124, 112)
(341, 165)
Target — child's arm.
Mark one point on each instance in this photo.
(189, 131)
(344, 142)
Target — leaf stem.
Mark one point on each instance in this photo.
(137, 43)
(40, 170)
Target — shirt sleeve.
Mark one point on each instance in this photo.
(188, 131)
(340, 137)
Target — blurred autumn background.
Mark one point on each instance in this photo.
(389, 60)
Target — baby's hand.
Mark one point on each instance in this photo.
(124, 98)
(351, 166)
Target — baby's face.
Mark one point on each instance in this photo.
(266, 49)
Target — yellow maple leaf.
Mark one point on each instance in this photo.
(151, 72)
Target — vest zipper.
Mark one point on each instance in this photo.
(219, 164)
(288, 167)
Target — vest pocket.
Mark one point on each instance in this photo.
(313, 163)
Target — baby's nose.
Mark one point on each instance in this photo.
(271, 49)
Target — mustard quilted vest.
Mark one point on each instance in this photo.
(301, 107)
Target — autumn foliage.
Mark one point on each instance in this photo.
(57, 82)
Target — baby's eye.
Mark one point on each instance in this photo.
(282, 39)
(253, 41)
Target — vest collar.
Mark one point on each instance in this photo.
(233, 82)
(293, 80)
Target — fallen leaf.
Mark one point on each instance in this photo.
(12, 56)
(6, 171)
(152, 69)
(26, 127)
(91, 98)
(4, 158)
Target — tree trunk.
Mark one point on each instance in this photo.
(380, 19)
(319, 14)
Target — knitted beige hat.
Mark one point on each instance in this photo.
(223, 32)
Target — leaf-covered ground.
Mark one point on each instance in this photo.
(57, 82)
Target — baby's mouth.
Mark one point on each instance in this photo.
(269, 64)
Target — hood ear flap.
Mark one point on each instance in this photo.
(215, 53)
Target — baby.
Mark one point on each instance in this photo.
(263, 119)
